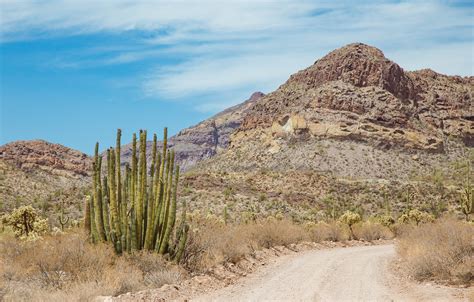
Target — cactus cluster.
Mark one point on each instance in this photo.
(137, 210)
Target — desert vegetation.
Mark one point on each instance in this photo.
(137, 211)
(139, 230)
(67, 267)
(443, 251)
(59, 265)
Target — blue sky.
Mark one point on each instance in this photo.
(74, 71)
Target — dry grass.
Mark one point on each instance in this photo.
(332, 231)
(370, 231)
(213, 242)
(441, 251)
(68, 268)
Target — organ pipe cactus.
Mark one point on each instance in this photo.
(136, 209)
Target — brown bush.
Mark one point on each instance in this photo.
(441, 251)
(371, 231)
(67, 267)
(212, 242)
(332, 231)
(270, 233)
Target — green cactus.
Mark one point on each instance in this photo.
(466, 198)
(87, 214)
(225, 215)
(137, 210)
(99, 222)
(350, 218)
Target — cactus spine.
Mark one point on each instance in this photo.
(136, 209)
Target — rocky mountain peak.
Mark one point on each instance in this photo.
(355, 96)
(256, 95)
(360, 65)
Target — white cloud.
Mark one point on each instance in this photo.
(121, 15)
(210, 75)
(225, 50)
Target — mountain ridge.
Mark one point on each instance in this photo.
(353, 123)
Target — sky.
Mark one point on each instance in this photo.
(72, 72)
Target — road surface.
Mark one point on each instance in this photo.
(339, 274)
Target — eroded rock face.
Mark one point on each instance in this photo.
(207, 138)
(46, 156)
(355, 112)
(355, 92)
(361, 66)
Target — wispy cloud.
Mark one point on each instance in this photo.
(215, 51)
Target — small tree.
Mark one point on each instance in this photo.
(25, 222)
(350, 218)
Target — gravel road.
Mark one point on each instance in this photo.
(340, 274)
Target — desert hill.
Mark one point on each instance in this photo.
(205, 139)
(355, 113)
(353, 130)
(43, 174)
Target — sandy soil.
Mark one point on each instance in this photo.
(340, 274)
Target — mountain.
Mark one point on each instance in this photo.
(43, 174)
(205, 139)
(352, 131)
(356, 113)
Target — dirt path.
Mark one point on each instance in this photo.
(340, 274)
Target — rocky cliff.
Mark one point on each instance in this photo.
(356, 113)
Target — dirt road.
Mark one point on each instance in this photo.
(341, 274)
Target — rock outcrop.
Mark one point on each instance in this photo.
(357, 85)
(205, 139)
(352, 99)
(55, 158)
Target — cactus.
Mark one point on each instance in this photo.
(98, 219)
(225, 215)
(62, 219)
(466, 198)
(416, 216)
(25, 222)
(87, 214)
(350, 218)
(136, 209)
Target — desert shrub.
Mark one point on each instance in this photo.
(277, 232)
(350, 218)
(415, 216)
(443, 251)
(332, 231)
(25, 223)
(372, 231)
(67, 267)
(212, 242)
